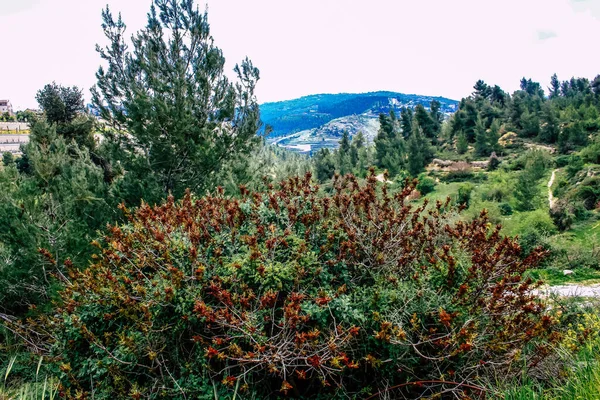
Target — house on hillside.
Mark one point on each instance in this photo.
(6, 107)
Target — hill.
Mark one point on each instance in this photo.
(316, 121)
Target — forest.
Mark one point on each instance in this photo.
(163, 249)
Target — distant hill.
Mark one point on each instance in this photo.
(317, 121)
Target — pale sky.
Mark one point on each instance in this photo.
(429, 47)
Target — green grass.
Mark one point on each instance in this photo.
(40, 389)
(553, 277)
(582, 381)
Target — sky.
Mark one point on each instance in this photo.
(302, 47)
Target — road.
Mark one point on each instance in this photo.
(571, 291)
(12, 142)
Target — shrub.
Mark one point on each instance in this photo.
(505, 209)
(562, 214)
(562, 161)
(286, 291)
(494, 162)
(589, 192)
(464, 195)
(459, 172)
(497, 193)
(591, 154)
(574, 166)
(426, 185)
(538, 221)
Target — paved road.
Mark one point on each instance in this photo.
(12, 142)
(571, 291)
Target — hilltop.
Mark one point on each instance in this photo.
(316, 121)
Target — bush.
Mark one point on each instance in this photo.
(505, 209)
(286, 291)
(460, 172)
(589, 192)
(591, 154)
(464, 195)
(494, 162)
(496, 193)
(426, 185)
(562, 215)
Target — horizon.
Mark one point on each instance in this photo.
(332, 47)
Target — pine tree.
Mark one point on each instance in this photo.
(345, 143)
(554, 87)
(482, 143)
(493, 136)
(419, 151)
(344, 164)
(423, 118)
(175, 118)
(358, 142)
(436, 116)
(64, 108)
(406, 118)
(389, 145)
(550, 127)
(482, 90)
(324, 165)
(462, 146)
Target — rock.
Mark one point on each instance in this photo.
(442, 163)
(568, 272)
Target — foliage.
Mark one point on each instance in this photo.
(174, 117)
(464, 195)
(286, 291)
(64, 108)
(390, 145)
(57, 204)
(8, 159)
(425, 185)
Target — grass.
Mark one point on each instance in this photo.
(582, 381)
(37, 390)
(554, 277)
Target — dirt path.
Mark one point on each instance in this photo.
(550, 183)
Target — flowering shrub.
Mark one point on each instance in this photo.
(291, 292)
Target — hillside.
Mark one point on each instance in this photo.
(316, 121)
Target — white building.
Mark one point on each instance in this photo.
(5, 106)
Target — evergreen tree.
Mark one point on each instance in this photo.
(554, 87)
(462, 146)
(358, 142)
(64, 108)
(345, 143)
(324, 165)
(427, 124)
(58, 205)
(526, 192)
(498, 96)
(389, 145)
(8, 159)
(493, 136)
(419, 151)
(550, 127)
(482, 90)
(175, 119)
(406, 118)
(482, 143)
(344, 164)
(436, 116)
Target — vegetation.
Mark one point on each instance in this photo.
(167, 250)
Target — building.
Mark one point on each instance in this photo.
(6, 107)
